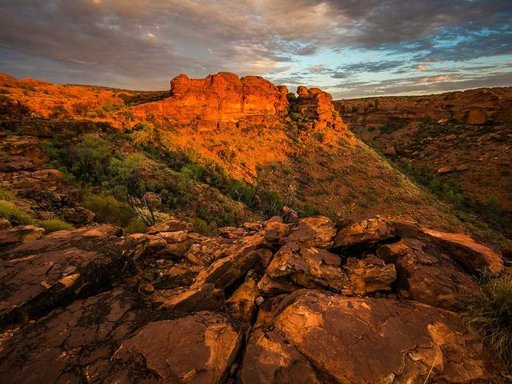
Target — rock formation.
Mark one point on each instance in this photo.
(317, 105)
(225, 100)
(40, 190)
(222, 100)
(267, 302)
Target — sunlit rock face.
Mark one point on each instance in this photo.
(317, 105)
(225, 100)
(222, 100)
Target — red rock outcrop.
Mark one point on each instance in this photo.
(221, 100)
(225, 100)
(317, 105)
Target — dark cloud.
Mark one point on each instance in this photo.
(140, 43)
(419, 84)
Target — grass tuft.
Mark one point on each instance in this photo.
(14, 214)
(489, 312)
(53, 225)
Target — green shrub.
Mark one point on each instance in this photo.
(135, 225)
(490, 313)
(110, 107)
(242, 192)
(59, 110)
(393, 124)
(202, 227)
(108, 209)
(271, 203)
(89, 160)
(53, 225)
(6, 195)
(14, 214)
(319, 136)
(309, 210)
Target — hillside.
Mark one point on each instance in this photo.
(230, 231)
(457, 144)
(216, 132)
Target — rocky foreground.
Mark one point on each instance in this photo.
(280, 301)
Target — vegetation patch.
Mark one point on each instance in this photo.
(490, 313)
(53, 225)
(14, 214)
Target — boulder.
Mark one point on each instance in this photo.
(370, 274)
(477, 258)
(427, 274)
(241, 305)
(367, 232)
(39, 275)
(477, 117)
(19, 234)
(317, 231)
(295, 266)
(316, 338)
(73, 342)
(195, 349)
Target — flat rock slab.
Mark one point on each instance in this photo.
(474, 256)
(335, 339)
(195, 349)
(73, 344)
(45, 273)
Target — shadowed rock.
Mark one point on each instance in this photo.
(330, 338)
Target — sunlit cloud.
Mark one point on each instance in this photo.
(141, 43)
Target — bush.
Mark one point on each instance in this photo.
(135, 225)
(6, 195)
(202, 227)
(14, 214)
(53, 225)
(393, 124)
(59, 110)
(271, 203)
(490, 313)
(108, 209)
(89, 160)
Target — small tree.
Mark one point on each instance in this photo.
(136, 198)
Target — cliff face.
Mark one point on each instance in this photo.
(226, 101)
(317, 105)
(222, 100)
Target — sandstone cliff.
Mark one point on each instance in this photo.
(224, 101)
(220, 101)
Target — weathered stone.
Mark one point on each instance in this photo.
(241, 305)
(370, 274)
(194, 349)
(275, 232)
(369, 231)
(171, 225)
(31, 273)
(330, 338)
(19, 234)
(313, 232)
(173, 237)
(290, 216)
(183, 301)
(78, 339)
(225, 271)
(474, 256)
(427, 274)
(294, 266)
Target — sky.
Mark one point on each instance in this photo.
(350, 48)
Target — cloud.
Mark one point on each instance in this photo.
(419, 85)
(141, 43)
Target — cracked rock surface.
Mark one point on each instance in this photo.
(281, 301)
